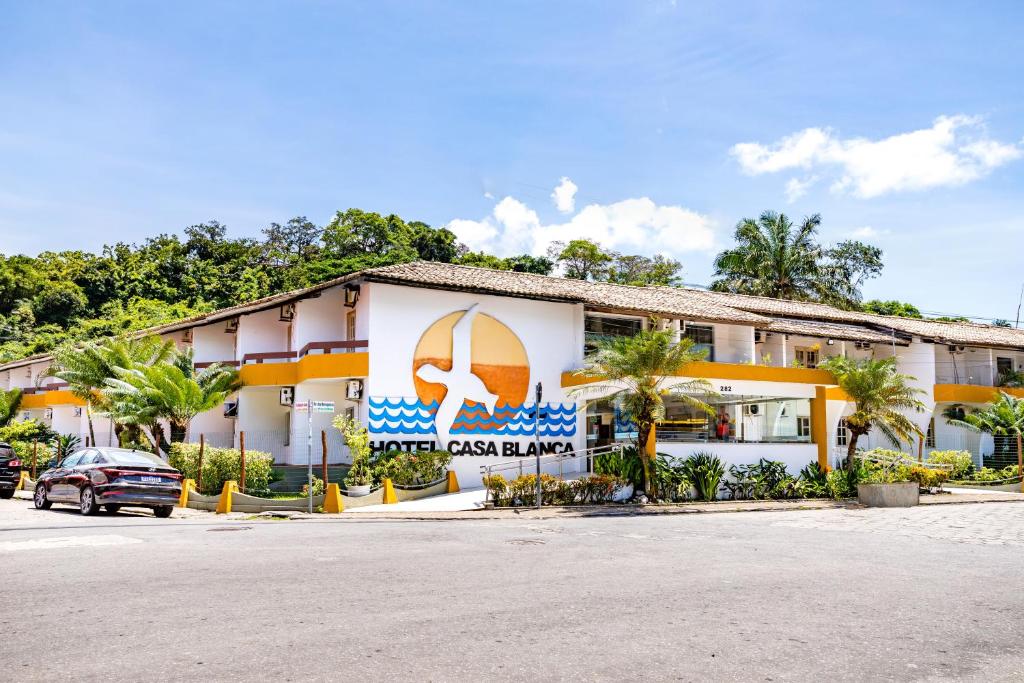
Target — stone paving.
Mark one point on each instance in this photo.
(991, 524)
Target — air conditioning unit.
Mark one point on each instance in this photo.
(354, 391)
(232, 326)
(758, 336)
(956, 348)
(351, 295)
(231, 409)
(751, 409)
(287, 396)
(862, 345)
(287, 313)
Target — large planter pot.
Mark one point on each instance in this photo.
(903, 495)
(357, 491)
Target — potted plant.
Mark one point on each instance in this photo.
(357, 438)
(889, 487)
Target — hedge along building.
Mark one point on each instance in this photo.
(438, 355)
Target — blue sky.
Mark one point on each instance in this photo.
(901, 122)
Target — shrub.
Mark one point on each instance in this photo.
(24, 449)
(963, 464)
(26, 430)
(318, 487)
(705, 472)
(837, 484)
(221, 465)
(928, 477)
(408, 469)
(522, 491)
(357, 438)
(814, 481)
(624, 464)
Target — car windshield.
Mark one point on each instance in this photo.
(135, 458)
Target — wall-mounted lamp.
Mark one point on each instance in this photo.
(351, 295)
(830, 342)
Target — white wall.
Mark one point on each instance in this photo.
(794, 455)
(320, 319)
(262, 332)
(733, 343)
(211, 343)
(265, 421)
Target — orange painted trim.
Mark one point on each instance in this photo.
(50, 399)
(735, 371)
(320, 366)
(971, 393)
(819, 424)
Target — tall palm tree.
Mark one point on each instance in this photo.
(773, 257)
(10, 401)
(1002, 417)
(638, 369)
(881, 395)
(86, 367)
(144, 394)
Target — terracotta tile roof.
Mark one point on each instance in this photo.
(840, 331)
(668, 301)
(932, 330)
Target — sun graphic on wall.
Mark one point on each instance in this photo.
(498, 358)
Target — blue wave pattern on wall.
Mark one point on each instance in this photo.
(390, 415)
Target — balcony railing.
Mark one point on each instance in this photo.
(268, 355)
(206, 364)
(332, 346)
(49, 387)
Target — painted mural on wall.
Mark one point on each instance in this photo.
(471, 374)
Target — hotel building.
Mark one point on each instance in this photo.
(435, 355)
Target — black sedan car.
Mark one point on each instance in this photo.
(112, 478)
(10, 471)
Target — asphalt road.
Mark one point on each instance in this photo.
(921, 594)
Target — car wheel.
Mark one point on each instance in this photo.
(163, 511)
(40, 500)
(89, 505)
(6, 493)
(111, 508)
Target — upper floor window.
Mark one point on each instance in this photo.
(806, 356)
(703, 337)
(599, 327)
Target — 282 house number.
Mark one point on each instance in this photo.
(724, 389)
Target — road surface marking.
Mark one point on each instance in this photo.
(66, 542)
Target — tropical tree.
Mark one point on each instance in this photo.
(1002, 417)
(86, 367)
(642, 370)
(145, 394)
(881, 396)
(774, 257)
(10, 401)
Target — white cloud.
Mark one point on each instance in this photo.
(867, 232)
(954, 151)
(796, 188)
(488, 195)
(565, 195)
(637, 226)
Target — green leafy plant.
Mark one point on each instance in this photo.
(961, 461)
(409, 469)
(318, 487)
(66, 444)
(815, 480)
(624, 464)
(705, 472)
(357, 438)
(221, 465)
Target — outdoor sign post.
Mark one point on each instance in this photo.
(536, 438)
(310, 407)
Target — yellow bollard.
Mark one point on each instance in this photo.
(453, 483)
(186, 486)
(21, 481)
(389, 493)
(224, 504)
(332, 499)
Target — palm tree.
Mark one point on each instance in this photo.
(773, 258)
(144, 394)
(10, 401)
(637, 368)
(1002, 417)
(881, 395)
(86, 367)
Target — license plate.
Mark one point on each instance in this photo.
(152, 480)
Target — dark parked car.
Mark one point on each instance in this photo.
(10, 471)
(112, 478)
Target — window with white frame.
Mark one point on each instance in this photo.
(803, 426)
(842, 433)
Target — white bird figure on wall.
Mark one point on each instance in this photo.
(462, 384)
